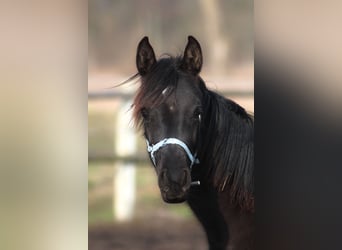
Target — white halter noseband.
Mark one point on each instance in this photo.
(154, 148)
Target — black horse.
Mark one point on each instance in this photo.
(200, 144)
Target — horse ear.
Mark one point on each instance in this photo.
(192, 59)
(145, 58)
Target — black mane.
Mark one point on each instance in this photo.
(227, 147)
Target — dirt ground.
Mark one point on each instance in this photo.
(151, 235)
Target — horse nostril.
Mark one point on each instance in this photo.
(166, 189)
(163, 177)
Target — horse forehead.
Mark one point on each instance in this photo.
(179, 90)
(184, 95)
(187, 96)
(179, 104)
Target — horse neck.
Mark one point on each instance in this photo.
(218, 119)
(225, 131)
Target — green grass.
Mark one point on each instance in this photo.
(182, 211)
(91, 185)
(100, 133)
(101, 211)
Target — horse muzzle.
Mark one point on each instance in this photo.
(174, 185)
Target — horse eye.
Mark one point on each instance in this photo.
(144, 113)
(198, 115)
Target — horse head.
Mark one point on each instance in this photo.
(168, 106)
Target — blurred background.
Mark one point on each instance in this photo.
(125, 210)
(43, 132)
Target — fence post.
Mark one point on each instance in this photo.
(124, 172)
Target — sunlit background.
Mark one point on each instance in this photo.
(125, 207)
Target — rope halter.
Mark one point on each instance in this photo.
(154, 148)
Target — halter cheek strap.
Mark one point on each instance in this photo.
(154, 148)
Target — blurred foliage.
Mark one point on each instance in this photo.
(115, 28)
